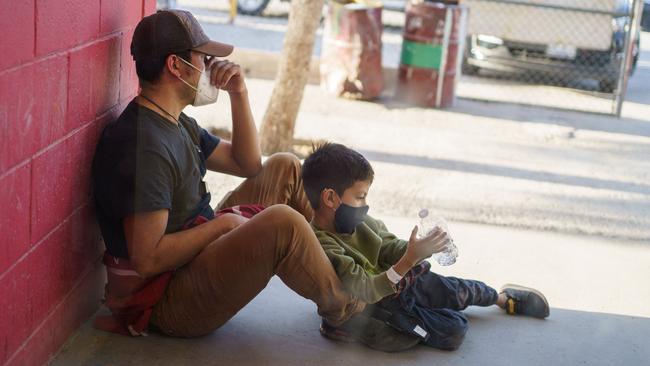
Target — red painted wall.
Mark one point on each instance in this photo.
(65, 70)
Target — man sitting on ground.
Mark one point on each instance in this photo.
(172, 262)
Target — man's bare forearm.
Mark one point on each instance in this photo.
(245, 142)
(176, 249)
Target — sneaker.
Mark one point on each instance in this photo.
(525, 301)
(372, 332)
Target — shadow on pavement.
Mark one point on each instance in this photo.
(542, 115)
(504, 171)
(281, 328)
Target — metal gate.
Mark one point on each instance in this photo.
(566, 54)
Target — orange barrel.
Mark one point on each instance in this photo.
(432, 51)
(351, 53)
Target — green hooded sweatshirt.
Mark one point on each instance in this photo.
(361, 259)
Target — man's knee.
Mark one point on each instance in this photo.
(291, 226)
(283, 161)
(283, 217)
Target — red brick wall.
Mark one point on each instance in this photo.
(65, 70)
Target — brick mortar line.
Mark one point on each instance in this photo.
(58, 141)
(118, 33)
(15, 167)
(45, 237)
(49, 315)
(35, 31)
(73, 132)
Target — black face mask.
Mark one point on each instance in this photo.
(346, 218)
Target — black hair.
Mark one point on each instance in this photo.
(333, 166)
(149, 70)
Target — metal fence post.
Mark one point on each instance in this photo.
(233, 11)
(626, 63)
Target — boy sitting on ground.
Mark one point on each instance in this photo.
(412, 304)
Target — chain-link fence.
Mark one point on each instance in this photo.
(568, 54)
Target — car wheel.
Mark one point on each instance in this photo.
(251, 7)
(468, 69)
(607, 85)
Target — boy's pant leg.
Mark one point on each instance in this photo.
(435, 291)
(446, 327)
(434, 302)
(279, 181)
(232, 270)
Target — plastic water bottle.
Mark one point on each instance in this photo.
(428, 223)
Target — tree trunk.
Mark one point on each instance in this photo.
(293, 71)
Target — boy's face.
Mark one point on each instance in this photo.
(343, 214)
(355, 196)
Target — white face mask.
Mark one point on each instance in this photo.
(206, 93)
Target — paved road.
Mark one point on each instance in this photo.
(267, 32)
(492, 163)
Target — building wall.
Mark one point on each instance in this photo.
(65, 71)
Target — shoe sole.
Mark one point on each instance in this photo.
(373, 333)
(337, 337)
(524, 288)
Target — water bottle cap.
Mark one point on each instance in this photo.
(423, 213)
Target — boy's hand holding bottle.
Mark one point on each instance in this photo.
(421, 248)
(428, 238)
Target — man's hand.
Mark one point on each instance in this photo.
(242, 156)
(227, 76)
(420, 249)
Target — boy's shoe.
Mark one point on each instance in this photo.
(372, 332)
(525, 301)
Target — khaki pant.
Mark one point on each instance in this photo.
(205, 293)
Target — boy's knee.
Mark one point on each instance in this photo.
(455, 334)
(447, 329)
(456, 337)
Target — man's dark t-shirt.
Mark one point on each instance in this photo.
(145, 163)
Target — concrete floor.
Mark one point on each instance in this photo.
(596, 288)
(542, 175)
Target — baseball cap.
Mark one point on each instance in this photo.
(171, 31)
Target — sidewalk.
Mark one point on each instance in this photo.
(521, 185)
(478, 162)
(482, 162)
(596, 288)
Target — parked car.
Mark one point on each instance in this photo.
(252, 7)
(559, 62)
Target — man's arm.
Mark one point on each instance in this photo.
(151, 251)
(242, 156)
